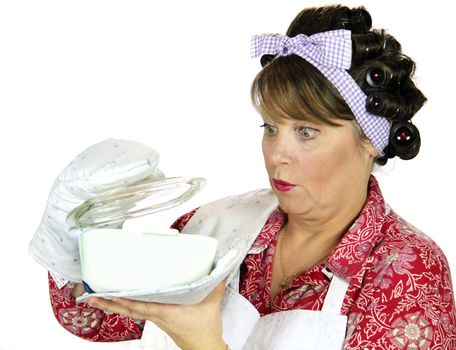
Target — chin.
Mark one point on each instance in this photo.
(286, 206)
(292, 205)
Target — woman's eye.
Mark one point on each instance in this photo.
(307, 133)
(269, 129)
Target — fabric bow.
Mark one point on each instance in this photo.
(327, 49)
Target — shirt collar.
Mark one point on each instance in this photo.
(348, 257)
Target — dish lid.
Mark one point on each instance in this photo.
(133, 201)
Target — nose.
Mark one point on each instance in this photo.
(278, 151)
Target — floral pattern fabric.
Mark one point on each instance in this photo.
(399, 297)
(90, 323)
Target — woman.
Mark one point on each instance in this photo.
(330, 112)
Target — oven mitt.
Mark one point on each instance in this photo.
(103, 166)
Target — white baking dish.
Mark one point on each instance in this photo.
(115, 260)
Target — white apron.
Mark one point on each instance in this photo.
(236, 222)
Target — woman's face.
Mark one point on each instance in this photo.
(314, 168)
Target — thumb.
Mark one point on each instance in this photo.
(216, 295)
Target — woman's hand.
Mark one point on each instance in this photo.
(197, 326)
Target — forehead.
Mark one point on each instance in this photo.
(278, 116)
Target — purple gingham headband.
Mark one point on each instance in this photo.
(330, 52)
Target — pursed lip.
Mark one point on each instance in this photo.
(282, 186)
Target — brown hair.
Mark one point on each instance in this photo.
(290, 87)
(293, 88)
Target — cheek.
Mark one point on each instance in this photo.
(326, 164)
(315, 162)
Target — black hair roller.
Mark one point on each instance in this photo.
(404, 140)
(375, 77)
(383, 104)
(266, 59)
(375, 103)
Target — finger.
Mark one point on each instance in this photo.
(109, 305)
(144, 308)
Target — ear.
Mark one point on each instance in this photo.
(364, 143)
(368, 150)
(371, 149)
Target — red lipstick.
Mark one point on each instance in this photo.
(282, 186)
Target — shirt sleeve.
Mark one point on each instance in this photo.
(407, 302)
(180, 223)
(87, 322)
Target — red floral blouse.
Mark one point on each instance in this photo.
(399, 297)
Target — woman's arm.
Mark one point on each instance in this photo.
(192, 327)
(88, 322)
(91, 323)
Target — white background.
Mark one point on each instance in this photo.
(176, 76)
